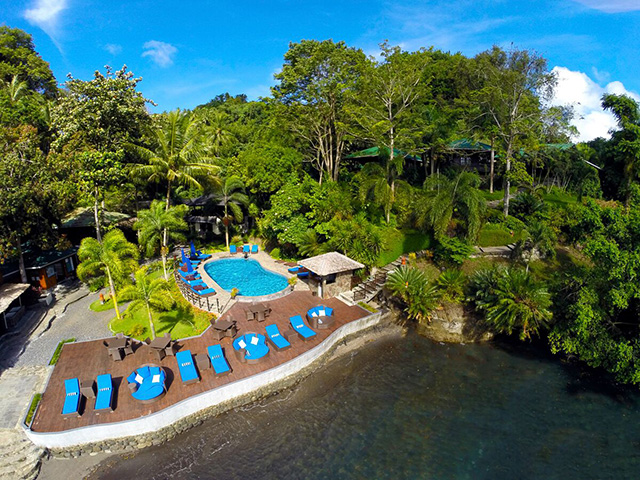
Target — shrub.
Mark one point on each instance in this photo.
(451, 283)
(275, 253)
(32, 408)
(452, 251)
(58, 351)
(135, 330)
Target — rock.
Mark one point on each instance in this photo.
(454, 324)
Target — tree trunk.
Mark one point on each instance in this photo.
(163, 253)
(112, 290)
(21, 266)
(507, 185)
(493, 159)
(153, 330)
(226, 223)
(96, 215)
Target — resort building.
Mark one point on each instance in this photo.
(331, 273)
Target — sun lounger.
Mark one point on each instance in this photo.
(218, 360)
(303, 274)
(254, 248)
(184, 273)
(72, 397)
(205, 291)
(301, 328)
(294, 269)
(104, 397)
(197, 254)
(233, 249)
(193, 283)
(187, 369)
(246, 249)
(277, 340)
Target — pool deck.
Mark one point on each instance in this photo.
(87, 360)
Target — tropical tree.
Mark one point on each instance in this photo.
(216, 132)
(511, 300)
(444, 198)
(451, 283)
(107, 263)
(412, 287)
(375, 183)
(177, 153)
(626, 141)
(316, 82)
(153, 294)
(512, 85)
(158, 226)
(233, 199)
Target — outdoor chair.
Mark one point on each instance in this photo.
(104, 398)
(233, 249)
(254, 248)
(304, 332)
(71, 405)
(187, 369)
(274, 337)
(218, 360)
(246, 249)
(128, 350)
(171, 349)
(197, 254)
(116, 354)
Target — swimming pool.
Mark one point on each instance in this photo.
(247, 275)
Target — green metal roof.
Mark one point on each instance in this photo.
(375, 152)
(467, 144)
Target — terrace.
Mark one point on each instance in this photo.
(87, 360)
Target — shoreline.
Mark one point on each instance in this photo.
(84, 465)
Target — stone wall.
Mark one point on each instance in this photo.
(161, 426)
(342, 284)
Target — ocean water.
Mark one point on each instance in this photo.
(413, 409)
(245, 274)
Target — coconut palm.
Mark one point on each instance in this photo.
(107, 263)
(232, 198)
(153, 294)
(444, 198)
(158, 226)
(412, 287)
(16, 88)
(177, 155)
(309, 244)
(214, 123)
(379, 184)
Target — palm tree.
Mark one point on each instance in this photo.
(412, 287)
(109, 262)
(380, 185)
(451, 283)
(154, 294)
(443, 198)
(232, 198)
(214, 123)
(158, 226)
(515, 302)
(538, 240)
(309, 244)
(177, 155)
(16, 88)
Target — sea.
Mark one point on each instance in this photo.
(410, 408)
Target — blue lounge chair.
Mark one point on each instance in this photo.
(277, 340)
(104, 396)
(193, 283)
(233, 249)
(218, 360)
(71, 398)
(303, 274)
(205, 291)
(301, 328)
(246, 249)
(187, 369)
(197, 254)
(254, 248)
(294, 269)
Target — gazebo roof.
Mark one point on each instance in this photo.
(330, 263)
(9, 292)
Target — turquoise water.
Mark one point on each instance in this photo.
(247, 275)
(412, 409)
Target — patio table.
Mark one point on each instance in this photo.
(117, 342)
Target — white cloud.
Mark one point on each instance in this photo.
(160, 52)
(612, 6)
(45, 14)
(113, 48)
(584, 95)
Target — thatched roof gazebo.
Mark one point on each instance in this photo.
(332, 272)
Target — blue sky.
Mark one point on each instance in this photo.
(189, 51)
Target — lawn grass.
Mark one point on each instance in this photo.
(472, 265)
(58, 351)
(98, 306)
(401, 242)
(559, 198)
(183, 320)
(32, 408)
(495, 235)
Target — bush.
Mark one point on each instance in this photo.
(58, 351)
(451, 283)
(32, 408)
(275, 253)
(135, 331)
(452, 251)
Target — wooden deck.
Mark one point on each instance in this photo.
(87, 360)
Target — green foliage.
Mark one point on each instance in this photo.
(367, 307)
(56, 354)
(398, 242)
(32, 408)
(411, 286)
(511, 301)
(136, 331)
(153, 223)
(492, 235)
(451, 284)
(357, 238)
(98, 306)
(451, 251)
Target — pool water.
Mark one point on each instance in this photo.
(247, 275)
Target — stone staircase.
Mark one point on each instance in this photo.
(372, 286)
(20, 458)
